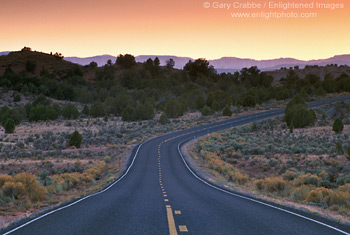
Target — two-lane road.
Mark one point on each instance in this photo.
(160, 195)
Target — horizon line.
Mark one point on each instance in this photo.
(243, 58)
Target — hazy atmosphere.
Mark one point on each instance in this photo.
(174, 117)
(182, 28)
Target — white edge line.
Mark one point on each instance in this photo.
(81, 199)
(250, 199)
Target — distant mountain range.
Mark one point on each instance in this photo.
(4, 53)
(224, 64)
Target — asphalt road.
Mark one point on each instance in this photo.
(160, 195)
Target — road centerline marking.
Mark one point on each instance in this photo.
(183, 228)
(171, 221)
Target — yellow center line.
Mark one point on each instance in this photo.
(171, 221)
(183, 228)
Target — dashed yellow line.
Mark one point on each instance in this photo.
(171, 221)
(183, 228)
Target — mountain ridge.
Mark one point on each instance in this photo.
(223, 64)
(226, 63)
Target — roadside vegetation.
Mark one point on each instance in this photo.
(309, 165)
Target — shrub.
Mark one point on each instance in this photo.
(227, 112)
(34, 190)
(299, 116)
(324, 175)
(66, 181)
(319, 195)
(238, 177)
(70, 112)
(97, 110)
(248, 101)
(41, 100)
(343, 179)
(338, 126)
(4, 179)
(163, 119)
(75, 139)
(15, 114)
(44, 178)
(339, 147)
(57, 108)
(128, 114)
(15, 190)
(320, 91)
(325, 184)
(144, 112)
(297, 99)
(307, 179)
(16, 97)
(206, 111)
(9, 126)
(271, 184)
(42, 113)
(174, 109)
(344, 188)
(86, 110)
(301, 192)
(340, 198)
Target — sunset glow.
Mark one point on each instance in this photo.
(181, 28)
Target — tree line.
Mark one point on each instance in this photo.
(137, 91)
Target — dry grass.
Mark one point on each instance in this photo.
(242, 160)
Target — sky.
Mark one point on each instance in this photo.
(194, 28)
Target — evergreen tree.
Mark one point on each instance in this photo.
(174, 109)
(86, 110)
(70, 112)
(9, 126)
(248, 101)
(338, 126)
(42, 113)
(170, 63)
(97, 110)
(75, 139)
(163, 119)
(227, 112)
(206, 111)
(128, 114)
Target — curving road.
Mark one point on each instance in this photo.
(159, 194)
